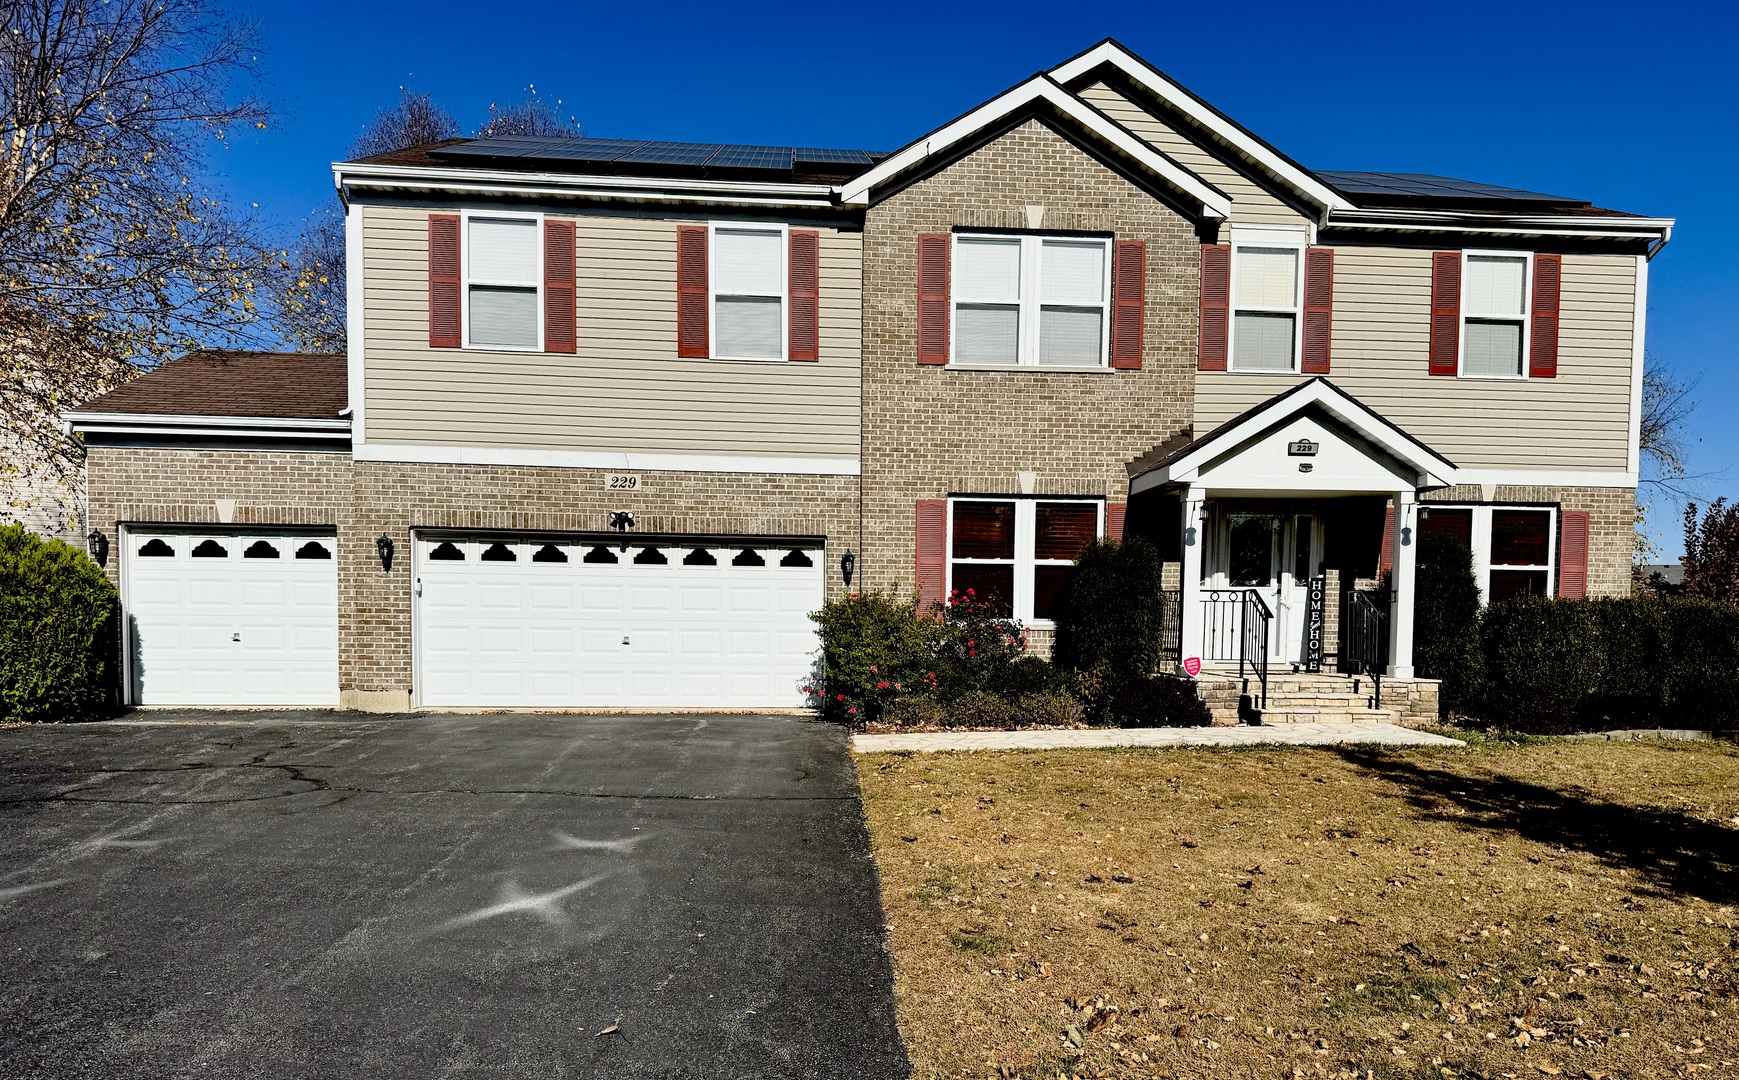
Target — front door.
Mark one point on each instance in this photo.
(1273, 555)
(1301, 557)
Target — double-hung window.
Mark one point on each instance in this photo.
(1031, 300)
(748, 292)
(503, 280)
(1494, 315)
(1512, 546)
(1017, 555)
(1267, 291)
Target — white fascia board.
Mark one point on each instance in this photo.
(86, 421)
(569, 185)
(353, 316)
(1215, 203)
(628, 461)
(1594, 478)
(1447, 221)
(1193, 108)
(1638, 359)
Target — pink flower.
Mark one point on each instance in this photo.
(809, 689)
(883, 685)
(842, 697)
(971, 644)
(852, 710)
(971, 592)
(971, 652)
(896, 686)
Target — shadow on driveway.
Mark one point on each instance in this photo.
(456, 896)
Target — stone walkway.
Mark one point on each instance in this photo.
(1244, 735)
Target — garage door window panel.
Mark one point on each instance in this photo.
(156, 548)
(210, 549)
(549, 553)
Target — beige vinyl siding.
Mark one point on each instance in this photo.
(1251, 203)
(624, 390)
(1382, 300)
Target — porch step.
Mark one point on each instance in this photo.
(1301, 698)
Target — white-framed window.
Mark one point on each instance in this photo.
(1494, 314)
(1030, 300)
(1017, 555)
(1515, 548)
(1267, 296)
(503, 280)
(747, 276)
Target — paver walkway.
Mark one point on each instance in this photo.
(1243, 735)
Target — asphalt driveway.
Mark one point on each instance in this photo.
(439, 896)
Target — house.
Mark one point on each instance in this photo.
(617, 415)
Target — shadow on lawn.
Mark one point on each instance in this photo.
(1674, 852)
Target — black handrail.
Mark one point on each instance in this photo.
(1365, 638)
(1253, 643)
(1171, 627)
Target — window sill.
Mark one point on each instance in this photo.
(1070, 369)
(750, 359)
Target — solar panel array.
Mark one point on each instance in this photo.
(632, 152)
(1423, 187)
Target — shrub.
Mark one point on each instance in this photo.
(57, 631)
(1113, 611)
(1446, 642)
(1157, 701)
(979, 709)
(1048, 709)
(874, 649)
(915, 711)
(975, 649)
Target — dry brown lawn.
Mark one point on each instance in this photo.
(1557, 909)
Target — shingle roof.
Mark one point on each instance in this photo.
(302, 386)
(635, 157)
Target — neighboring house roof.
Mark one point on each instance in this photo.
(1671, 573)
(310, 386)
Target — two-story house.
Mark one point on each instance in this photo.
(617, 415)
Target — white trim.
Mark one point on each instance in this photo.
(1029, 306)
(1638, 357)
(1215, 204)
(1183, 101)
(1598, 478)
(563, 185)
(250, 427)
(712, 291)
(465, 281)
(1439, 221)
(599, 459)
(1295, 238)
(1526, 318)
(353, 317)
(1025, 559)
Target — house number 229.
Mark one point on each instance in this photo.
(622, 482)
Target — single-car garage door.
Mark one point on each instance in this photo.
(505, 622)
(231, 618)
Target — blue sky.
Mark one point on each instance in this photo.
(1631, 105)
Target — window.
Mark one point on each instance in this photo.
(1265, 302)
(1017, 555)
(502, 279)
(1513, 546)
(1494, 315)
(1030, 300)
(748, 292)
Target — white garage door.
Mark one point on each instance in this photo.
(506, 622)
(231, 619)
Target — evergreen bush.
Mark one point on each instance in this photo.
(57, 631)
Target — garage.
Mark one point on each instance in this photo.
(574, 622)
(231, 618)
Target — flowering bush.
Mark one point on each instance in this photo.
(977, 649)
(874, 650)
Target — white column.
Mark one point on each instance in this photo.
(1194, 537)
(1403, 579)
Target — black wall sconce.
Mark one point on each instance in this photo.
(847, 565)
(383, 547)
(98, 545)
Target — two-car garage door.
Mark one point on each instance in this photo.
(505, 621)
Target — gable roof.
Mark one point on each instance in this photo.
(1041, 89)
(1180, 465)
(302, 386)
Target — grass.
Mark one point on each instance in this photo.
(1514, 909)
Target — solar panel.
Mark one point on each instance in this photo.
(811, 155)
(671, 153)
(751, 157)
(589, 149)
(1424, 186)
(504, 146)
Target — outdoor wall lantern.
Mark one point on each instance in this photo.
(383, 547)
(847, 564)
(1406, 535)
(622, 521)
(98, 545)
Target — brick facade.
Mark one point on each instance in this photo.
(932, 431)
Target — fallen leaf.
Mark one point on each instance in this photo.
(611, 1030)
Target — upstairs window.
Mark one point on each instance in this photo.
(1030, 300)
(1494, 319)
(748, 292)
(503, 276)
(1265, 304)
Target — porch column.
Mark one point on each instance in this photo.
(1194, 538)
(1403, 581)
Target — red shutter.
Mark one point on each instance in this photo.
(444, 284)
(1573, 555)
(933, 298)
(558, 286)
(1216, 299)
(1445, 312)
(805, 277)
(1386, 557)
(1128, 304)
(1318, 309)
(691, 298)
(1114, 514)
(932, 540)
(1548, 280)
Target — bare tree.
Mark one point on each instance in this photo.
(112, 256)
(1667, 405)
(311, 301)
(414, 121)
(533, 116)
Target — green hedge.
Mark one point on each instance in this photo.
(1113, 611)
(1446, 641)
(57, 631)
